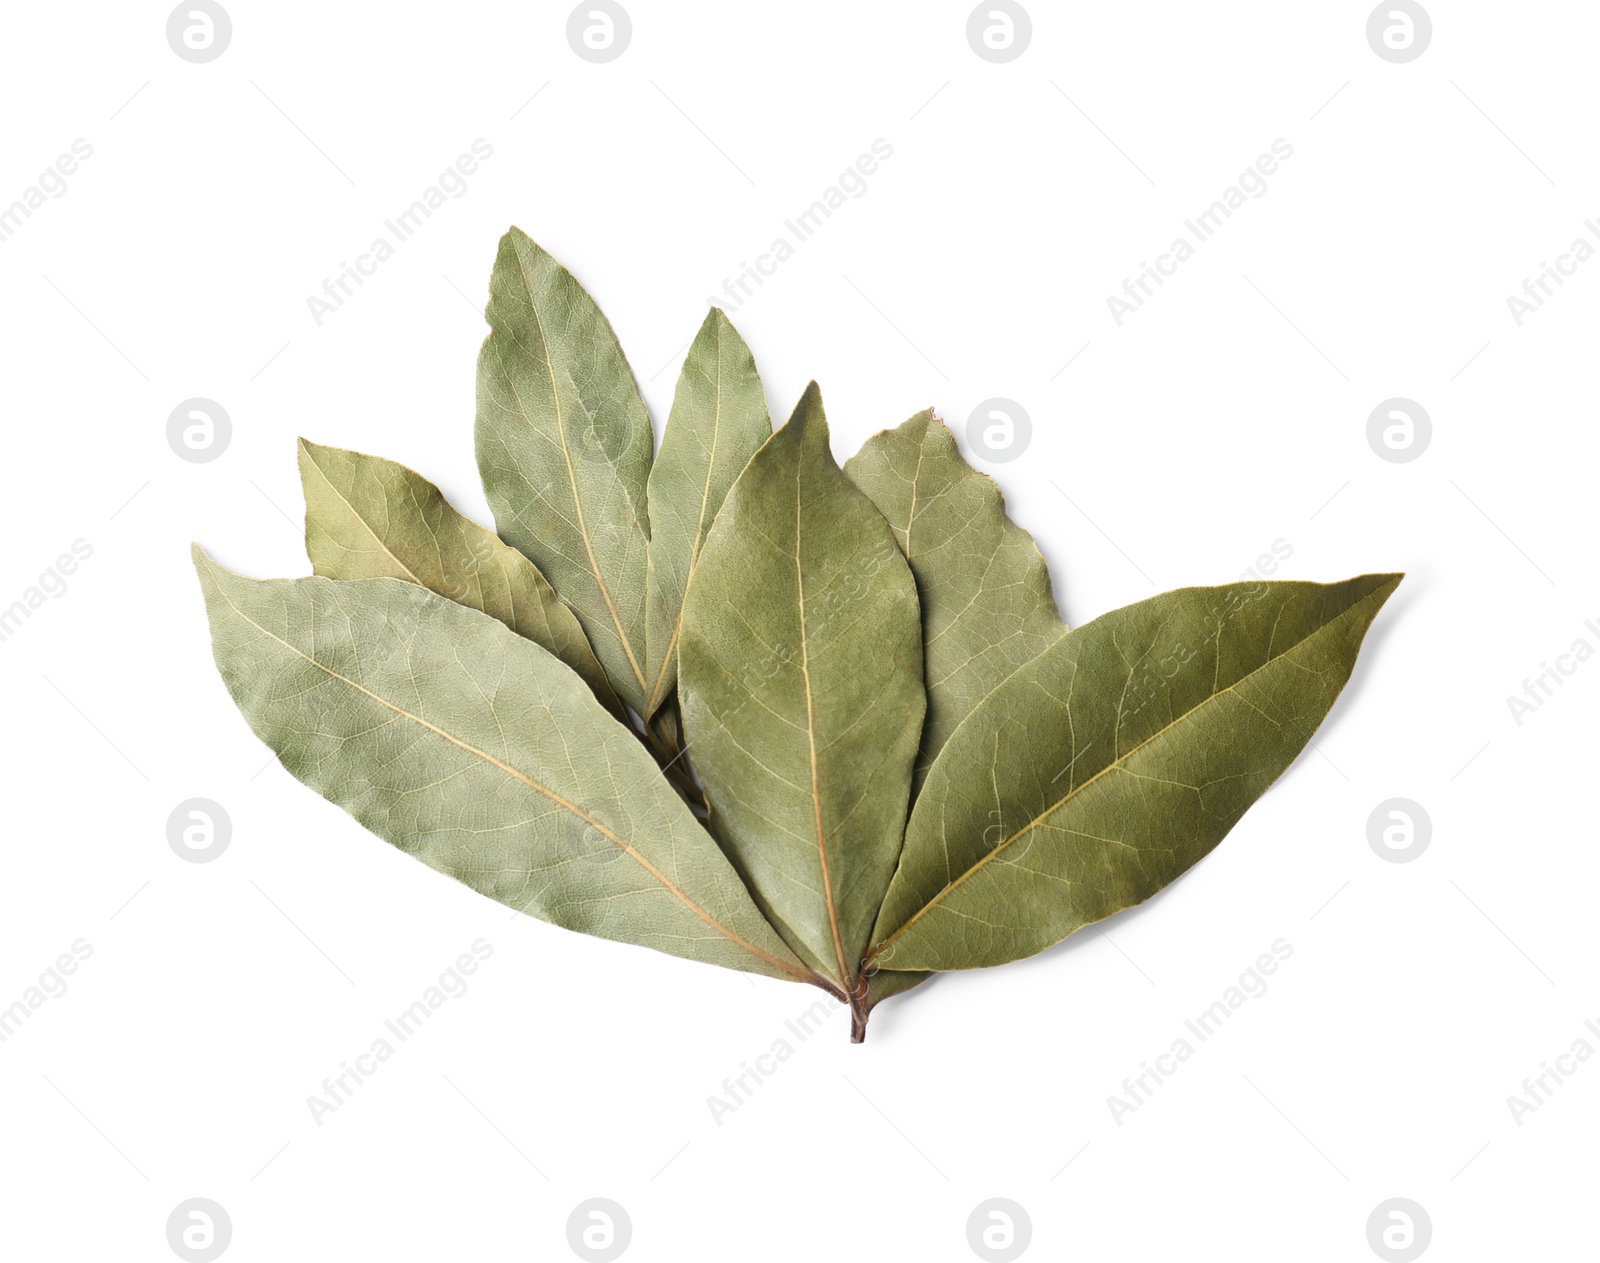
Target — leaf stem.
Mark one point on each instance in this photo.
(860, 1008)
(673, 759)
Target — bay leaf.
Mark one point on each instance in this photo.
(800, 679)
(718, 420)
(476, 751)
(564, 447)
(884, 984)
(1113, 762)
(370, 518)
(984, 587)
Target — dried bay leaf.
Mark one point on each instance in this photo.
(370, 518)
(564, 448)
(800, 676)
(718, 421)
(984, 587)
(849, 740)
(1113, 762)
(479, 753)
(884, 984)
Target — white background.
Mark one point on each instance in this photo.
(1228, 413)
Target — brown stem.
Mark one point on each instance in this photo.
(859, 1009)
(674, 764)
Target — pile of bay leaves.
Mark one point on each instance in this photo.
(732, 702)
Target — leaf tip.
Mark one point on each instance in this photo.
(205, 565)
(808, 416)
(514, 244)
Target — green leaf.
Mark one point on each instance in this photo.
(985, 590)
(800, 677)
(477, 752)
(719, 419)
(564, 447)
(370, 518)
(885, 983)
(1106, 767)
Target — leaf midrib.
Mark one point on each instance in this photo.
(1115, 765)
(916, 485)
(845, 975)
